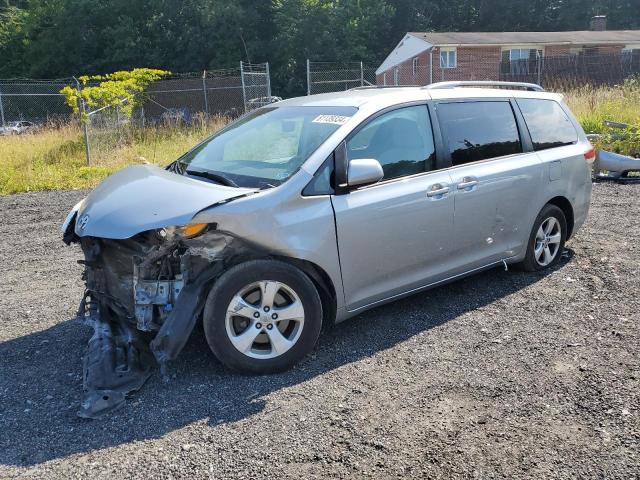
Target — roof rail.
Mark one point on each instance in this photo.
(486, 83)
(371, 87)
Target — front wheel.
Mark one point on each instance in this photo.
(262, 316)
(546, 241)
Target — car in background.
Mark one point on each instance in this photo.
(17, 128)
(262, 101)
(175, 116)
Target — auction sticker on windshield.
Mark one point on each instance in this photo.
(335, 119)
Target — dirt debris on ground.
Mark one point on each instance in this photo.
(500, 375)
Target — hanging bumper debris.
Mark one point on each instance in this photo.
(143, 298)
(614, 166)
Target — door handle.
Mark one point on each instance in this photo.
(437, 189)
(467, 182)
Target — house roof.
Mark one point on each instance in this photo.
(583, 37)
(415, 42)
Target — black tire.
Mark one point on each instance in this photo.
(233, 281)
(530, 263)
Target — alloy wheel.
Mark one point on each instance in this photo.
(264, 319)
(547, 241)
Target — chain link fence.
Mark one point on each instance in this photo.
(557, 72)
(323, 77)
(35, 101)
(228, 93)
(573, 71)
(176, 101)
(191, 100)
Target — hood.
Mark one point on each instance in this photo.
(146, 197)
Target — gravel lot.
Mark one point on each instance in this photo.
(504, 374)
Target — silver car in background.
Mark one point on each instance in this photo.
(17, 128)
(314, 209)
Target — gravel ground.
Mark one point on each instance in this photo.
(504, 374)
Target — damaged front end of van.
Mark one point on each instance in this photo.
(147, 272)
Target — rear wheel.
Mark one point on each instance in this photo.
(546, 240)
(262, 316)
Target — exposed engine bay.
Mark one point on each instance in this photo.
(143, 297)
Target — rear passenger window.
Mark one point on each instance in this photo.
(479, 130)
(401, 140)
(548, 124)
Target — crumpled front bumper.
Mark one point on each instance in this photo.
(136, 322)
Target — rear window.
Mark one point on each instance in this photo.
(479, 130)
(547, 122)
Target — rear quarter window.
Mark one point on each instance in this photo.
(548, 124)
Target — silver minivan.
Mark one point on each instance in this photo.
(314, 209)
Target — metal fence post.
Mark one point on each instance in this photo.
(539, 58)
(1, 109)
(431, 66)
(308, 78)
(244, 94)
(268, 79)
(361, 75)
(84, 122)
(204, 90)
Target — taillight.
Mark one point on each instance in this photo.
(590, 155)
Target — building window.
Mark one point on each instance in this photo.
(415, 65)
(630, 59)
(521, 60)
(396, 75)
(448, 58)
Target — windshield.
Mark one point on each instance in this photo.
(265, 147)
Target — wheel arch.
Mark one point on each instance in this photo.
(322, 282)
(564, 204)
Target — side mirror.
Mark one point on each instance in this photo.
(364, 171)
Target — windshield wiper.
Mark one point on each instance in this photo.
(216, 177)
(176, 167)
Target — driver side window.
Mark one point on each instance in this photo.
(401, 140)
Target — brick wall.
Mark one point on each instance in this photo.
(473, 63)
(479, 63)
(556, 50)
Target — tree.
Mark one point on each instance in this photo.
(12, 23)
(119, 89)
(60, 38)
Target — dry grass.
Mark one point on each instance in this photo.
(54, 158)
(593, 106)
